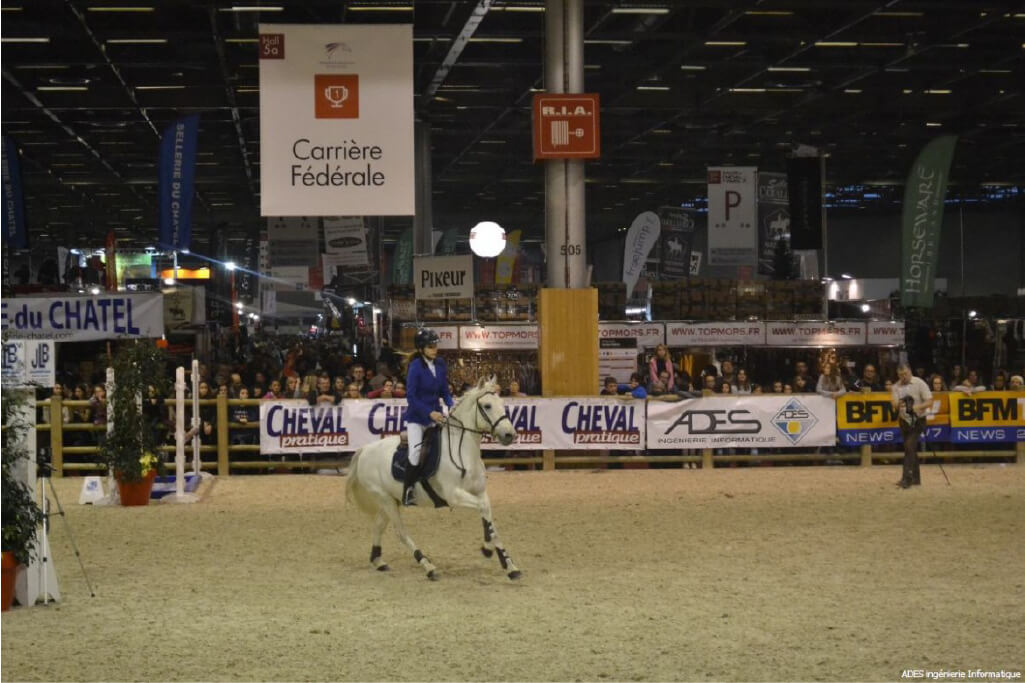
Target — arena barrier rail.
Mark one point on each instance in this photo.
(223, 457)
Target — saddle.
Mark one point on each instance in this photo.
(430, 458)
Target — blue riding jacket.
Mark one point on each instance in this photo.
(423, 389)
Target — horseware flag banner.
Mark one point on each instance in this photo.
(642, 236)
(922, 220)
(177, 177)
(15, 233)
(336, 120)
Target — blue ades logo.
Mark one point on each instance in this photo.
(794, 421)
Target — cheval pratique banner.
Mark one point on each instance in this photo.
(336, 120)
(564, 423)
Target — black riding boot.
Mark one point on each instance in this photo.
(410, 480)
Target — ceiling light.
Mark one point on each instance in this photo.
(43, 66)
(692, 67)
(882, 44)
(520, 8)
(662, 131)
(10, 9)
(119, 9)
(835, 43)
(251, 8)
(937, 92)
(640, 10)
(769, 12)
(865, 308)
(492, 142)
(62, 88)
(240, 41)
(747, 90)
(137, 41)
(599, 41)
(725, 43)
(496, 40)
(885, 13)
(994, 71)
(653, 87)
(382, 8)
(852, 91)
(790, 68)
(24, 40)
(933, 124)
(160, 87)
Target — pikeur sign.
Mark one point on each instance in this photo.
(443, 277)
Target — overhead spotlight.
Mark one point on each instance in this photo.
(229, 265)
(973, 314)
(96, 290)
(169, 281)
(350, 301)
(847, 276)
(865, 308)
(239, 305)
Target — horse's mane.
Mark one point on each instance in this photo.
(483, 386)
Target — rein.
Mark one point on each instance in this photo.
(456, 423)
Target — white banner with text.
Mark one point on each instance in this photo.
(83, 318)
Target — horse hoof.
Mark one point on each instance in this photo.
(515, 574)
(383, 568)
(432, 575)
(485, 552)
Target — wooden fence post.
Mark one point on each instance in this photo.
(548, 460)
(222, 436)
(57, 435)
(866, 455)
(706, 459)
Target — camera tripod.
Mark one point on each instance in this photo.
(43, 471)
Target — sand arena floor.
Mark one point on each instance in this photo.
(800, 573)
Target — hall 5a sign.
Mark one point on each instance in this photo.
(443, 277)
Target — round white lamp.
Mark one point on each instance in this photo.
(487, 239)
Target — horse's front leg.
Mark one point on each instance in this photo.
(492, 543)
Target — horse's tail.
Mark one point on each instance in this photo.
(354, 490)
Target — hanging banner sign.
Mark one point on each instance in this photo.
(443, 277)
(677, 236)
(886, 333)
(715, 334)
(29, 363)
(732, 216)
(336, 119)
(567, 126)
(84, 318)
(742, 422)
(495, 338)
(815, 334)
(648, 335)
(870, 418)
(15, 232)
(642, 236)
(293, 242)
(773, 218)
(176, 182)
(987, 417)
(346, 239)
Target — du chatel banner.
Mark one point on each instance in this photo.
(177, 176)
(924, 191)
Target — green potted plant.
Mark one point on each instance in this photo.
(21, 514)
(131, 449)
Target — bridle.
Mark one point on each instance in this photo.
(454, 422)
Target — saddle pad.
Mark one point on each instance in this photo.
(430, 455)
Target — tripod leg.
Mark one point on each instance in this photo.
(71, 537)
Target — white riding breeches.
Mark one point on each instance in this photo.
(415, 435)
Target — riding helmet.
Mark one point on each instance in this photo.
(426, 337)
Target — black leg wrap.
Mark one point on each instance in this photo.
(503, 558)
(488, 530)
(417, 555)
(375, 553)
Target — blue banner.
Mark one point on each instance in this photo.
(177, 181)
(15, 234)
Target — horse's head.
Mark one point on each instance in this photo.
(489, 411)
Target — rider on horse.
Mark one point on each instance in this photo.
(426, 384)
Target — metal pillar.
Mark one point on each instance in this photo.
(565, 216)
(423, 221)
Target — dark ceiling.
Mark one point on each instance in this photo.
(684, 85)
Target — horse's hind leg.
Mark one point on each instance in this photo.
(380, 523)
(392, 510)
(492, 544)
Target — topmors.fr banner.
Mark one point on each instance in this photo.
(336, 120)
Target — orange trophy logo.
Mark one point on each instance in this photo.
(336, 96)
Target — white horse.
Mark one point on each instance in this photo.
(460, 480)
